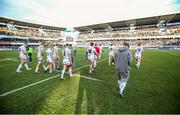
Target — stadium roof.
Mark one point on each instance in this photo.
(22, 23)
(171, 18)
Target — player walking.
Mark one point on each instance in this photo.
(111, 54)
(90, 56)
(67, 61)
(23, 58)
(49, 59)
(138, 55)
(55, 57)
(40, 50)
(100, 51)
(123, 62)
(96, 55)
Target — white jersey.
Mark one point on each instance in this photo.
(22, 51)
(49, 53)
(55, 52)
(66, 53)
(40, 51)
(139, 51)
(111, 50)
(91, 51)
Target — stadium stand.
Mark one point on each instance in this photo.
(14, 33)
(158, 31)
(152, 32)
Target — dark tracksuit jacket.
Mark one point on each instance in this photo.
(122, 62)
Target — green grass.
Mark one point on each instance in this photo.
(152, 89)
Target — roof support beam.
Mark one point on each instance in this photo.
(166, 18)
(129, 22)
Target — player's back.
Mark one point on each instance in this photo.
(39, 50)
(111, 48)
(90, 51)
(55, 50)
(22, 50)
(66, 53)
(49, 52)
(139, 50)
(97, 49)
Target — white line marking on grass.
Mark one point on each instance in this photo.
(30, 85)
(90, 78)
(15, 90)
(9, 59)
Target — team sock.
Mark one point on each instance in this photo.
(50, 70)
(26, 66)
(19, 67)
(70, 72)
(44, 67)
(62, 73)
(37, 68)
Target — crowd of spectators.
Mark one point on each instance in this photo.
(138, 32)
(123, 34)
(155, 36)
(29, 32)
(133, 43)
(9, 41)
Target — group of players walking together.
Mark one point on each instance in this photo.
(119, 56)
(52, 58)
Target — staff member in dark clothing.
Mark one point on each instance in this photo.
(123, 62)
(29, 51)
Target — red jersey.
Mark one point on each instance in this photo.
(97, 51)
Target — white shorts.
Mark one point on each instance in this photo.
(111, 54)
(23, 57)
(91, 58)
(40, 59)
(54, 57)
(138, 56)
(66, 62)
(49, 59)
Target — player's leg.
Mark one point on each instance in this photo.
(20, 66)
(90, 67)
(70, 71)
(38, 64)
(123, 82)
(50, 66)
(37, 67)
(99, 55)
(44, 67)
(122, 86)
(57, 63)
(54, 63)
(63, 71)
(26, 65)
(136, 59)
(109, 60)
(112, 59)
(138, 62)
(95, 62)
